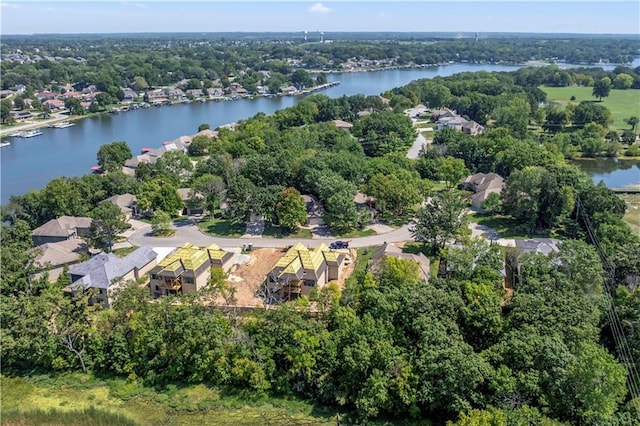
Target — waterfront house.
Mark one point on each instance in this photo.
(391, 250)
(215, 92)
(482, 186)
(54, 104)
(61, 229)
(90, 89)
(187, 269)
(196, 93)
(288, 90)
(127, 203)
(129, 95)
(302, 269)
(21, 115)
(106, 273)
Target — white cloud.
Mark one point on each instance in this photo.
(11, 5)
(319, 8)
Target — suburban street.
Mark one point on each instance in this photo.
(190, 233)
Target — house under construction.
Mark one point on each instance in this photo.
(188, 269)
(302, 269)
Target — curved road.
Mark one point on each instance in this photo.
(190, 233)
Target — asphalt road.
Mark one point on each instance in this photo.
(190, 233)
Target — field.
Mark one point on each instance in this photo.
(621, 103)
(75, 399)
(632, 217)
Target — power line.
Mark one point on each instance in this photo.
(609, 288)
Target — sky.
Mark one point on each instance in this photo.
(605, 16)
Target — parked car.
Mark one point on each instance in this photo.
(339, 245)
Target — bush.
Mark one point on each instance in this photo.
(633, 151)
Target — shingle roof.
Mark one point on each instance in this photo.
(102, 269)
(61, 253)
(62, 226)
(123, 201)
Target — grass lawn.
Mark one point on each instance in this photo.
(122, 252)
(273, 231)
(84, 400)
(356, 233)
(621, 103)
(632, 216)
(222, 227)
(504, 226)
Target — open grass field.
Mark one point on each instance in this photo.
(621, 103)
(632, 216)
(76, 399)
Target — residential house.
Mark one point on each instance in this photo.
(129, 95)
(6, 93)
(20, 115)
(106, 272)
(288, 90)
(544, 246)
(127, 203)
(342, 124)
(302, 269)
(188, 269)
(54, 104)
(53, 257)
(391, 250)
(236, 89)
(45, 95)
(215, 92)
(196, 93)
(90, 89)
(482, 185)
(193, 202)
(315, 211)
(365, 203)
(61, 229)
(213, 134)
(447, 118)
(20, 89)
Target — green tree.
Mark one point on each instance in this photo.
(493, 203)
(633, 122)
(161, 225)
(5, 114)
(112, 156)
(75, 106)
(291, 209)
(440, 220)
(602, 88)
(203, 126)
(341, 214)
(623, 81)
(107, 222)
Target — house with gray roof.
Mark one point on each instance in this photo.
(52, 257)
(61, 229)
(127, 203)
(106, 272)
(391, 250)
(482, 185)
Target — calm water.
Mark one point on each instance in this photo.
(31, 163)
(616, 173)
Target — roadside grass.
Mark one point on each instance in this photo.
(79, 400)
(356, 233)
(222, 227)
(632, 216)
(274, 231)
(621, 103)
(504, 226)
(122, 252)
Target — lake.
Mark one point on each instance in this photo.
(615, 173)
(31, 163)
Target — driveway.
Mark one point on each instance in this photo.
(190, 233)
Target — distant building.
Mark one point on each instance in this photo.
(53, 257)
(127, 203)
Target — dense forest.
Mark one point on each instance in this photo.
(389, 346)
(149, 60)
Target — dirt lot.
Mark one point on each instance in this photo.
(248, 278)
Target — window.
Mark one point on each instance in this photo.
(153, 277)
(188, 280)
(157, 287)
(309, 283)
